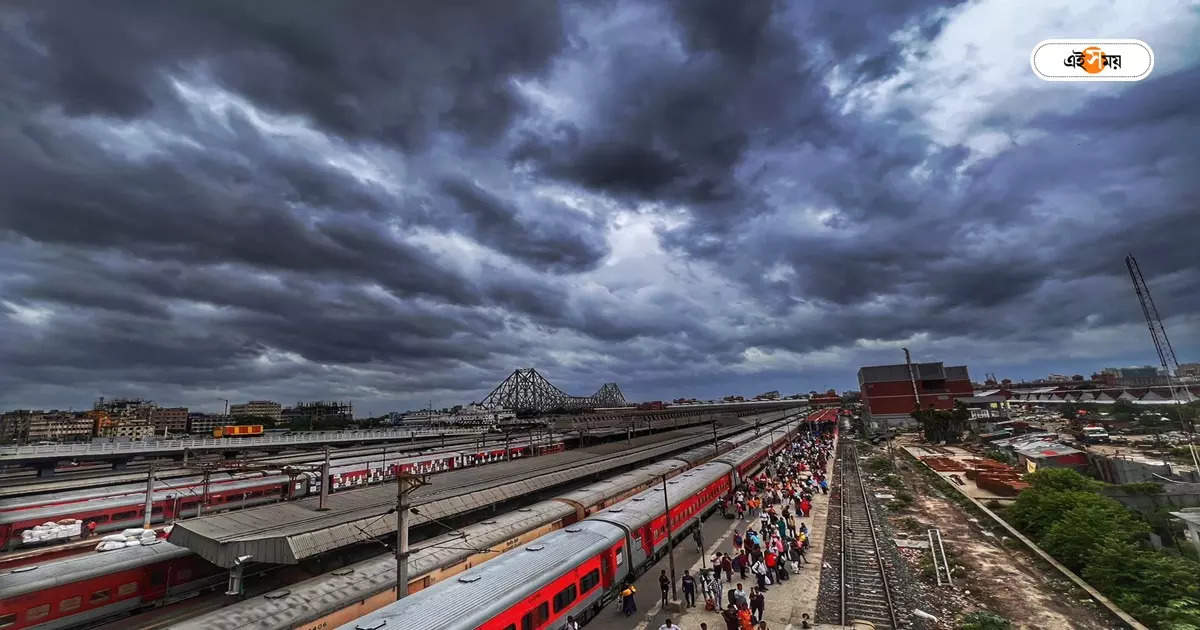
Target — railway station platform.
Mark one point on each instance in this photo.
(787, 601)
(290, 532)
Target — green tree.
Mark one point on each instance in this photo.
(1061, 479)
(1158, 589)
(1093, 520)
(942, 425)
(1123, 410)
(1054, 492)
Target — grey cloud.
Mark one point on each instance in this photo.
(558, 239)
(189, 255)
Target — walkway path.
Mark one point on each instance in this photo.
(787, 602)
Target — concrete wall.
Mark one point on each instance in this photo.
(1122, 470)
(1176, 495)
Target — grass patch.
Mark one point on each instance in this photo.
(983, 620)
(878, 465)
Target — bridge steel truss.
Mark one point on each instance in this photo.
(526, 390)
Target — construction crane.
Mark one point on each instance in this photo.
(1162, 345)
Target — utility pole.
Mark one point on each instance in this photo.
(405, 484)
(149, 506)
(204, 496)
(325, 482)
(670, 540)
(916, 396)
(716, 445)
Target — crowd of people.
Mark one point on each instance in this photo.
(770, 542)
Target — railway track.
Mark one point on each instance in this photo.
(862, 580)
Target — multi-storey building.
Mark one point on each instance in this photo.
(169, 420)
(14, 426)
(27, 426)
(1144, 376)
(204, 423)
(127, 418)
(61, 426)
(888, 391)
(828, 399)
(261, 408)
(315, 414)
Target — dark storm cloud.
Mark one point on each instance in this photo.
(222, 199)
(561, 239)
(391, 72)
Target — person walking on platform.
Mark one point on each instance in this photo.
(628, 604)
(689, 589)
(727, 567)
(745, 619)
(664, 584)
(730, 615)
(667, 625)
(758, 604)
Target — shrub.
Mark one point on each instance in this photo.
(983, 620)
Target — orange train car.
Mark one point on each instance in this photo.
(244, 430)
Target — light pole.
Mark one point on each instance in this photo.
(670, 540)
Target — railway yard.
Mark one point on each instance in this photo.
(312, 562)
(937, 557)
(500, 532)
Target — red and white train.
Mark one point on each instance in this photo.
(576, 570)
(121, 507)
(67, 593)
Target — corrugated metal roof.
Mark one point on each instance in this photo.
(314, 598)
(285, 533)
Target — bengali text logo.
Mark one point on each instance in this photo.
(1092, 60)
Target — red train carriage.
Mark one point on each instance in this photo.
(121, 512)
(75, 591)
(573, 571)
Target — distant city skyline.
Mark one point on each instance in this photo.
(750, 386)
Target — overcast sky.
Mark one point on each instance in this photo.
(401, 202)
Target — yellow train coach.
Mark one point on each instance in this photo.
(244, 430)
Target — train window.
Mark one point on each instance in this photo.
(124, 516)
(99, 597)
(589, 581)
(564, 598)
(67, 605)
(103, 518)
(511, 626)
(127, 589)
(8, 620)
(37, 612)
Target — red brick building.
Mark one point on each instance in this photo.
(887, 390)
(828, 399)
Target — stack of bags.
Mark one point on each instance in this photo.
(51, 530)
(128, 538)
